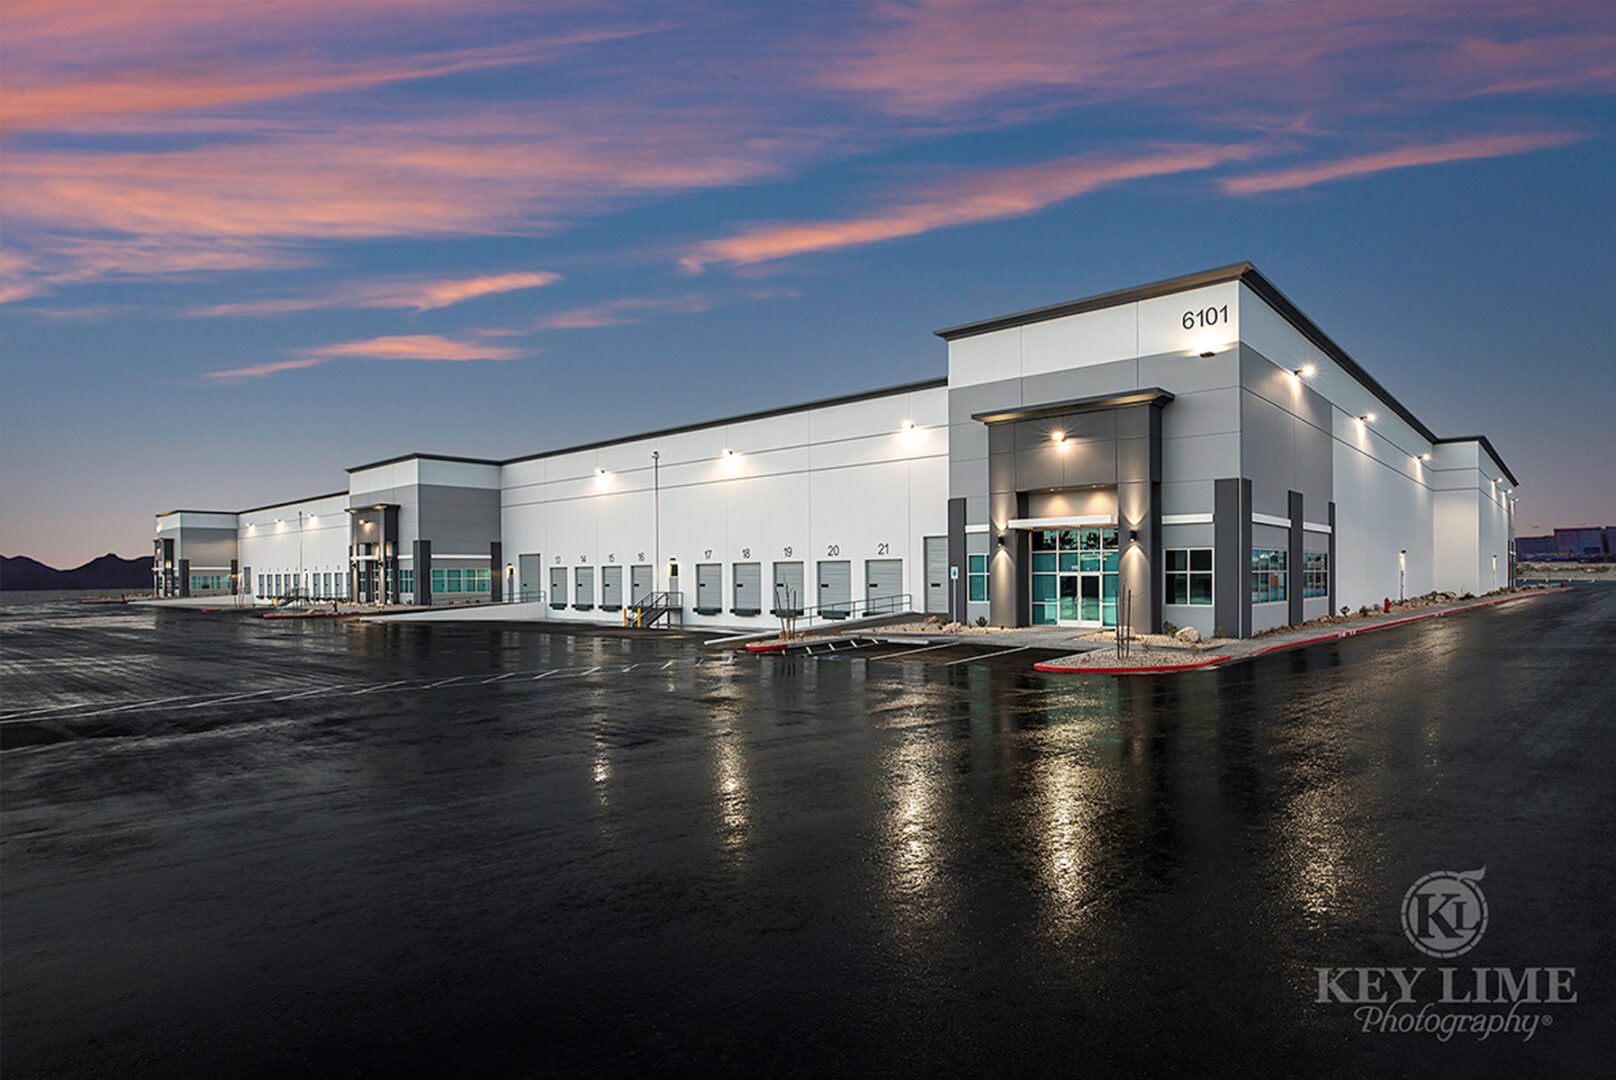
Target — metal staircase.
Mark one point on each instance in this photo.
(667, 608)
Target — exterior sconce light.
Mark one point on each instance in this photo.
(1057, 437)
(1367, 418)
(1133, 536)
(1208, 354)
(908, 425)
(1306, 371)
(1000, 540)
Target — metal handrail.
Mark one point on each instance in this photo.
(656, 605)
(886, 605)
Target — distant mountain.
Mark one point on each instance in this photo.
(19, 573)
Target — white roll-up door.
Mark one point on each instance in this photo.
(639, 583)
(883, 585)
(584, 578)
(788, 598)
(835, 588)
(937, 575)
(558, 586)
(709, 588)
(611, 588)
(528, 577)
(748, 589)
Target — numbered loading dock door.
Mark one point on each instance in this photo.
(586, 588)
(611, 587)
(883, 585)
(937, 575)
(788, 597)
(639, 583)
(835, 588)
(558, 586)
(748, 589)
(709, 588)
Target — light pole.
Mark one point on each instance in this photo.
(656, 521)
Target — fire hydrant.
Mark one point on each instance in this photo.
(1386, 605)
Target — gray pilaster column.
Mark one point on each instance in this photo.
(496, 573)
(957, 587)
(1333, 608)
(421, 562)
(1293, 559)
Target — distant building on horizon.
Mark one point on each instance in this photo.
(1574, 542)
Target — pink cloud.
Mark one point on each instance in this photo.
(1403, 157)
(419, 294)
(945, 59)
(979, 197)
(428, 347)
(261, 371)
(624, 312)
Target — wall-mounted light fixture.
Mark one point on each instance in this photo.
(1000, 540)
(1425, 456)
(1057, 437)
(1208, 354)
(1367, 418)
(1306, 371)
(908, 425)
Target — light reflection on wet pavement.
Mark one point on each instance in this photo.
(247, 848)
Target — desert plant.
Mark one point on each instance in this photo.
(1168, 628)
(1364, 610)
(1220, 631)
(981, 620)
(1345, 611)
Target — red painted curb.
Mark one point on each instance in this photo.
(1287, 645)
(767, 646)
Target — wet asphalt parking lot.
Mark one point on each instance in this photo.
(231, 846)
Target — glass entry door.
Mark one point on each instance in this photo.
(1074, 576)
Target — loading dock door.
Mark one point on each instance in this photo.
(558, 586)
(788, 598)
(883, 585)
(528, 577)
(639, 583)
(937, 575)
(611, 588)
(748, 589)
(584, 577)
(709, 588)
(835, 588)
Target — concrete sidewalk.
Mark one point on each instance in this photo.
(1166, 658)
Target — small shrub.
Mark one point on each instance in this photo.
(981, 620)
(1364, 610)
(1220, 631)
(1345, 611)
(1168, 628)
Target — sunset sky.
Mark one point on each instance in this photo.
(247, 245)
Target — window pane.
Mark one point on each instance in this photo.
(1201, 559)
(1177, 559)
(1108, 586)
(1110, 563)
(1200, 588)
(1043, 564)
(1043, 587)
(1068, 562)
(1044, 540)
(1177, 589)
(979, 587)
(1108, 538)
(978, 564)
(1043, 614)
(1089, 562)
(1091, 540)
(1070, 539)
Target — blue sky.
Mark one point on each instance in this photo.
(246, 245)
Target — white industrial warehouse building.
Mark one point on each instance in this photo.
(1193, 451)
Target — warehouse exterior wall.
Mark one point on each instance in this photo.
(845, 483)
